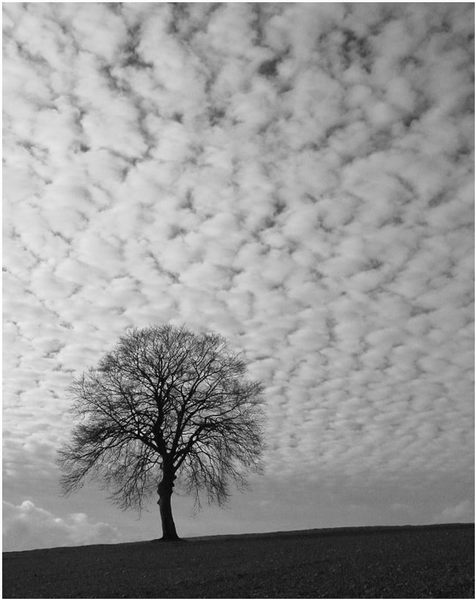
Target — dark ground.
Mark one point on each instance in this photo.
(378, 562)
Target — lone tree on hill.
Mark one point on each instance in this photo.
(165, 403)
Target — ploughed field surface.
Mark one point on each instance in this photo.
(364, 562)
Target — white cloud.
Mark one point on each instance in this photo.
(297, 177)
(26, 526)
(462, 512)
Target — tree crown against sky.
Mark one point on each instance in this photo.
(170, 401)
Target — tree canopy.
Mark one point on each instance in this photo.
(166, 403)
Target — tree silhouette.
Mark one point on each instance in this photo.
(164, 404)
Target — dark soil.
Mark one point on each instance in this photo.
(378, 562)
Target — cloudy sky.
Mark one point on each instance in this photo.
(297, 177)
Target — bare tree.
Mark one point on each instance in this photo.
(165, 403)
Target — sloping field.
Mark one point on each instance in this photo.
(379, 562)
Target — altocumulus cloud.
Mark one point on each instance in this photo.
(298, 177)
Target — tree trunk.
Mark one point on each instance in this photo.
(165, 490)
